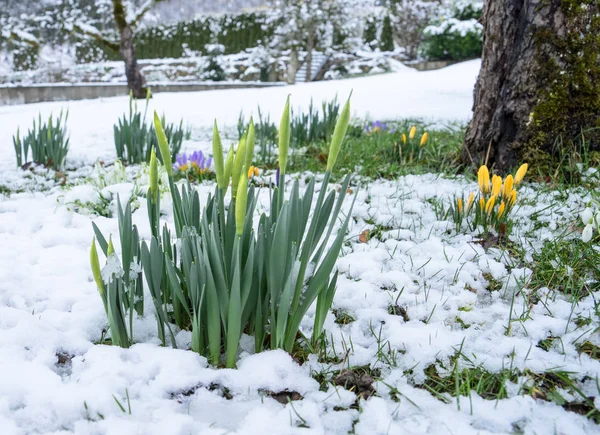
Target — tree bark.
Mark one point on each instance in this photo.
(135, 80)
(527, 62)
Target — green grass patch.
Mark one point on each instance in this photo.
(567, 265)
(375, 154)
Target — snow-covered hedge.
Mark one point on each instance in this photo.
(456, 34)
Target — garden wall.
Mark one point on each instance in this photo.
(10, 95)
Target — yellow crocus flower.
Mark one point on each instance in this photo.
(481, 204)
(501, 209)
(521, 173)
(404, 138)
(424, 138)
(413, 131)
(489, 206)
(508, 186)
(459, 204)
(496, 185)
(483, 177)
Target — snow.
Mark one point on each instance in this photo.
(49, 304)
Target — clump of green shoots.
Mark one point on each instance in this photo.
(48, 142)
(224, 274)
(135, 139)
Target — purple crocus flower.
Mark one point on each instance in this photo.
(277, 177)
(376, 127)
(195, 161)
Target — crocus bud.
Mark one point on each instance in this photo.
(217, 149)
(250, 141)
(459, 205)
(470, 201)
(508, 185)
(501, 209)
(338, 135)
(404, 138)
(154, 176)
(284, 136)
(424, 139)
(163, 145)
(496, 185)
(240, 204)
(513, 197)
(412, 132)
(489, 206)
(483, 178)
(521, 173)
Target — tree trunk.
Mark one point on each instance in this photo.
(135, 80)
(292, 67)
(310, 44)
(539, 83)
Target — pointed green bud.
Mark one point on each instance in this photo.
(95, 263)
(240, 204)
(218, 157)
(250, 141)
(338, 134)
(228, 170)
(153, 176)
(163, 145)
(284, 136)
(238, 164)
(111, 248)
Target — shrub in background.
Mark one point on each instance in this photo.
(228, 275)
(386, 40)
(456, 34)
(47, 141)
(370, 32)
(214, 71)
(235, 32)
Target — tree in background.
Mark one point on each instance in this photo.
(409, 18)
(307, 25)
(114, 29)
(537, 97)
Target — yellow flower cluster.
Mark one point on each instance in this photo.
(410, 148)
(253, 172)
(411, 135)
(497, 197)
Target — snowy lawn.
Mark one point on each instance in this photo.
(433, 330)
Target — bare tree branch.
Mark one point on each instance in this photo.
(142, 11)
(24, 37)
(93, 33)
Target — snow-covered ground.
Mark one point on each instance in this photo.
(55, 380)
